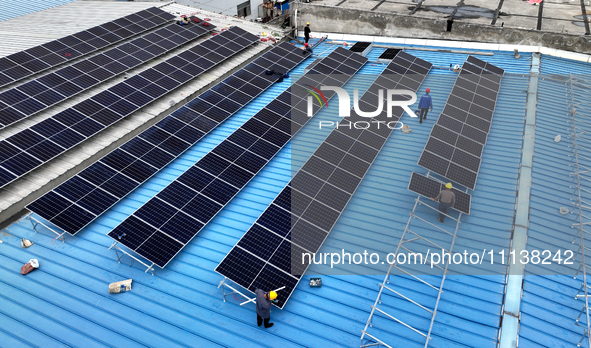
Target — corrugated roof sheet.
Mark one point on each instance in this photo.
(66, 300)
(36, 28)
(549, 307)
(16, 8)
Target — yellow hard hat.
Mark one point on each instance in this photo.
(272, 295)
(308, 23)
(448, 185)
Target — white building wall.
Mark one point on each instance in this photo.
(227, 7)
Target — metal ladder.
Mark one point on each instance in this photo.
(369, 339)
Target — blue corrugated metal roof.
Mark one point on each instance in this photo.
(16, 8)
(66, 301)
(549, 307)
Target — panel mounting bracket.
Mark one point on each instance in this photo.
(115, 247)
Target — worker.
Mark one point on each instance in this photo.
(307, 32)
(263, 303)
(424, 104)
(308, 48)
(446, 198)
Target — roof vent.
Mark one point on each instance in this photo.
(563, 210)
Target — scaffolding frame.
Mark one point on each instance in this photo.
(372, 340)
(35, 222)
(579, 205)
(115, 247)
(224, 284)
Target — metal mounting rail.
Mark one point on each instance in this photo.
(579, 174)
(371, 339)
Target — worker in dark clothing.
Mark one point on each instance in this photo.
(307, 32)
(446, 198)
(424, 104)
(308, 48)
(263, 304)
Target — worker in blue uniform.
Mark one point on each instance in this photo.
(424, 104)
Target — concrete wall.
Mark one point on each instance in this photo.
(331, 19)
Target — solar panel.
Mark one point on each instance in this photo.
(359, 46)
(39, 58)
(157, 146)
(218, 176)
(430, 188)
(457, 139)
(146, 81)
(42, 93)
(303, 214)
(390, 53)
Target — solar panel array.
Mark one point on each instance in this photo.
(37, 95)
(166, 223)
(33, 146)
(67, 205)
(430, 188)
(269, 255)
(19, 65)
(454, 148)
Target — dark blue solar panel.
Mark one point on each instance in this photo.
(188, 127)
(101, 74)
(123, 107)
(45, 151)
(167, 83)
(160, 213)
(71, 80)
(87, 127)
(120, 185)
(67, 138)
(280, 269)
(98, 173)
(139, 171)
(96, 201)
(17, 72)
(468, 124)
(20, 163)
(28, 106)
(215, 192)
(154, 90)
(68, 117)
(74, 217)
(177, 145)
(105, 98)
(115, 67)
(85, 81)
(139, 98)
(68, 89)
(106, 117)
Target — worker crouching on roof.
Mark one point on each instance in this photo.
(308, 48)
(264, 304)
(446, 198)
